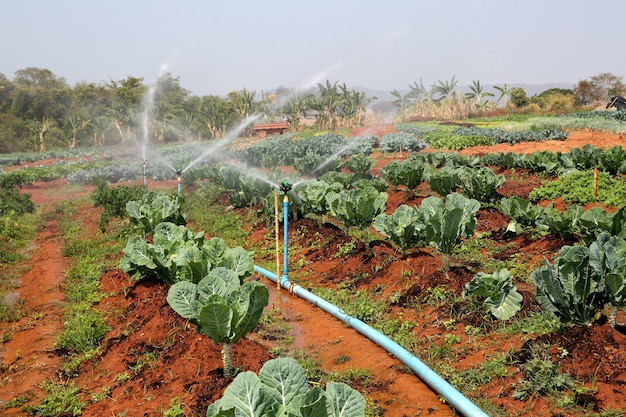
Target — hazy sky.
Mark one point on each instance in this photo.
(219, 46)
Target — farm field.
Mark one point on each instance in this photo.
(152, 362)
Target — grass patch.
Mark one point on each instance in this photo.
(206, 213)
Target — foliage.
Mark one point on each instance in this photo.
(481, 184)
(60, 400)
(82, 331)
(521, 213)
(404, 227)
(178, 254)
(541, 376)
(448, 140)
(153, 208)
(313, 196)
(314, 164)
(582, 279)
(360, 165)
(577, 187)
(221, 306)
(512, 137)
(499, 294)
(11, 200)
(113, 200)
(281, 389)
(357, 207)
(401, 142)
(449, 222)
(411, 172)
(445, 181)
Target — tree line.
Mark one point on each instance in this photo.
(40, 111)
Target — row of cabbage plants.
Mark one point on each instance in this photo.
(209, 287)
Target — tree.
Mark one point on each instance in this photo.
(216, 114)
(419, 93)
(127, 95)
(518, 97)
(168, 107)
(353, 105)
(599, 88)
(402, 102)
(242, 103)
(504, 93)
(445, 89)
(477, 95)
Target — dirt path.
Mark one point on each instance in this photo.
(28, 357)
(340, 348)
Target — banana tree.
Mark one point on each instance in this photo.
(222, 308)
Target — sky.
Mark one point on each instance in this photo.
(214, 47)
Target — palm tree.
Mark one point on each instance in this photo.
(504, 93)
(477, 94)
(445, 89)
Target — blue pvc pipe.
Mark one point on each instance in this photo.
(430, 377)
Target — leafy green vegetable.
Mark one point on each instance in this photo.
(222, 308)
(404, 227)
(448, 223)
(411, 172)
(281, 389)
(445, 181)
(499, 293)
(481, 184)
(155, 207)
(570, 288)
(357, 207)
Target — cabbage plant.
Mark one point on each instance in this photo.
(498, 293)
(404, 227)
(221, 307)
(155, 207)
(411, 172)
(178, 254)
(281, 389)
(357, 207)
(449, 222)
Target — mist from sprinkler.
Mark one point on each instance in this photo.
(227, 139)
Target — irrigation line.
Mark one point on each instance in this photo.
(430, 377)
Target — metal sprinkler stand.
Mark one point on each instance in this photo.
(179, 172)
(285, 187)
(144, 173)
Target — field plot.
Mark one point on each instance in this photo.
(478, 308)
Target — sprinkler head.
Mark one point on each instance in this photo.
(285, 187)
(179, 172)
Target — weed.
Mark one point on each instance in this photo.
(122, 377)
(83, 330)
(439, 296)
(541, 375)
(16, 402)
(346, 249)
(11, 306)
(341, 359)
(359, 304)
(176, 408)
(102, 395)
(73, 366)
(353, 376)
(61, 399)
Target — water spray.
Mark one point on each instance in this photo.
(144, 173)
